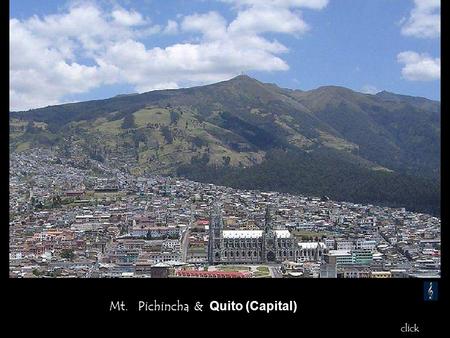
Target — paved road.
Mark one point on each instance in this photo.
(185, 237)
(275, 271)
(185, 244)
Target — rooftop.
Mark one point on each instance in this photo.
(253, 233)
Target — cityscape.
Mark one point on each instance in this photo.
(75, 217)
(249, 160)
(256, 160)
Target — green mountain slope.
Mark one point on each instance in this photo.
(242, 129)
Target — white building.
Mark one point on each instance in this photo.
(344, 244)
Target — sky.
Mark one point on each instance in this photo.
(78, 50)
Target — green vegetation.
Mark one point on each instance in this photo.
(54, 274)
(168, 137)
(22, 146)
(128, 122)
(111, 127)
(233, 268)
(262, 271)
(37, 273)
(152, 116)
(174, 117)
(68, 254)
(321, 173)
(382, 149)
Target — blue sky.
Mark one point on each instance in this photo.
(80, 50)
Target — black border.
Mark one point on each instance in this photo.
(359, 307)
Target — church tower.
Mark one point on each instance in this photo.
(268, 239)
(215, 235)
(317, 255)
(267, 220)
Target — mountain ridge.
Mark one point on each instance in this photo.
(236, 78)
(242, 124)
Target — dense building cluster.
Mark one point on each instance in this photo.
(77, 217)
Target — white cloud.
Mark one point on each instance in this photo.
(281, 16)
(49, 56)
(311, 4)
(163, 85)
(127, 18)
(41, 73)
(212, 25)
(424, 20)
(419, 67)
(369, 89)
(266, 19)
(171, 27)
(88, 46)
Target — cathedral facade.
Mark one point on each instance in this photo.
(249, 246)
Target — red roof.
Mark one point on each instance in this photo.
(213, 274)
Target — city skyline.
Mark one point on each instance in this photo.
(98, 221)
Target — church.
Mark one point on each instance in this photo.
(251, 246)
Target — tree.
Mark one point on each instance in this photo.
(174, 117)
(128, 122)
(167, 134)
(68, 254)
(198, 142)
(30, 128)
(56, 201)
(36, 272)
(226, 160)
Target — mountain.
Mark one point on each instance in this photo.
(382, 148)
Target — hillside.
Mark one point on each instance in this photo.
(345, 144)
